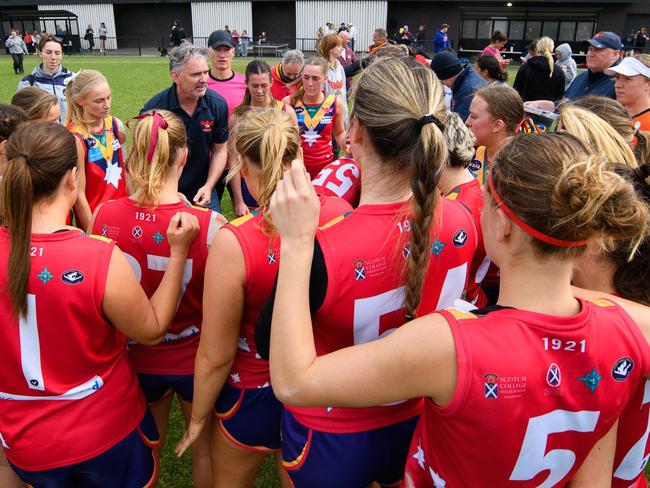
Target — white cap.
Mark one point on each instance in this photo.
(629, 67)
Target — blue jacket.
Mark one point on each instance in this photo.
(594, 84)
(440, 41)
(463, 91)
(53, 83)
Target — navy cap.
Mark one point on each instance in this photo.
(220, 38)
(606, 40)
(446, 65)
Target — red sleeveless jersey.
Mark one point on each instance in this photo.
(534, 393)
(316, 133)
(67, 391)
(262, 258)
(104, 166)
(342, 179)
(632, 449)
(471, 195)
(141, 234)
(365, 255)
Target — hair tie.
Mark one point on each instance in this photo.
(527, 228)
(159, 122)
(430, 119)
(528, 126)
(27, 157)
(637, 126)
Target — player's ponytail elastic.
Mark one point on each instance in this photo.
(268, 139)
(39, 154)
(400, 104)
(158, 138)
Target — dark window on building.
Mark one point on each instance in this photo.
(469, 29)
(484, 29)
(550, 29)
(517, 29)
(585, 31)
(567, 31)
(533, 30)
(501, 26)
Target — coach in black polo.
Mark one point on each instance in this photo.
(205, 115)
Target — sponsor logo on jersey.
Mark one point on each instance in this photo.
(110, 231)
(45, 275)
(436, 247)
(553, 375)
(158, 237)
(270, 256)
(91, 142)
(622, 369)
(491, 386)
(359, 270)
(72, 277)
(206, 125)
(460, 238)
(475, 165)
(298, 110)
(591, 380)
(136, 232)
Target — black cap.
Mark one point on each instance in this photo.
(445, 65)
(220, 38)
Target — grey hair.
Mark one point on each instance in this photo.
(180, 55)
(382, 32)
(460, 141)
(293, 56)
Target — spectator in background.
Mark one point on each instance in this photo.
(379, 40)
(498, 42)
(540, 78)
(103, 35)
(353, 35)
(232, 87)
(177, 35)
(490, 70)
(405, 37)
(641, 38)
(628, 44)
(89, 37)
(263, 39)
(330, 49)
(632, 87)
(36, 36)
(17, 49)
(342, 28)
(227, 29)
(603, 53)
(564, 60)
(245, 42)
(461, 78)
(29, 42)
(236, 41)
(205, 116)
(420, 37)
(50, 75)
(346, 58)
(441, 39)
(286, 75)
(530, 51)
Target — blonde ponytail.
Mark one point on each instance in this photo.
(545, 47)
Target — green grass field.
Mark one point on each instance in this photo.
(133, 81)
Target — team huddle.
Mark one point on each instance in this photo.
(451, 303)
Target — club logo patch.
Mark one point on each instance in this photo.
(475, 165)
(72, 277)
(270, 256)
(491, 386)
(137, 232)
(460, 238)
(359, 270)
(591, 380)
(622, 369)
(553, 375)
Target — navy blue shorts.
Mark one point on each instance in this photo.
(250, 418)
(128, 464)
(157, 386)
(317, 459)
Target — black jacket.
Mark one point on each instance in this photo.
(533, 81)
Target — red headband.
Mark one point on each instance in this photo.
(159, 122)
(527, 228)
